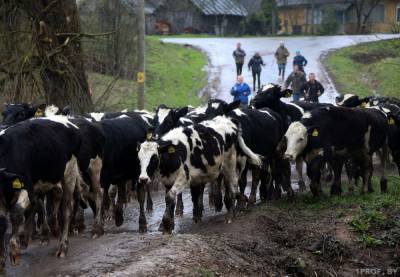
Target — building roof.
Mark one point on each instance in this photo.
(252, 6)
(283, 3)
(220, 7)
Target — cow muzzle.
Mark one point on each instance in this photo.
(144, 180)
(289, 156)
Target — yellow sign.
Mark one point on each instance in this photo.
(171, 149)
(17, 184)
(140, 77)
(315, 133)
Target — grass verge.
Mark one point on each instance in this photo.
(367, 69)
(175, 75)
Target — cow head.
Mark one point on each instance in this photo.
(14, 113)
(297, 137)
(149, 161)
(167, 119)
(216, 107)
(269, 96)
(351, 101)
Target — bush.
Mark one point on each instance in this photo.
(329, 24)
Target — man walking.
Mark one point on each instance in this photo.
(300, 61)
(255, 64)
(281, 55)
(312, 89)
(241, 91)
(296, 79)
(239, 55)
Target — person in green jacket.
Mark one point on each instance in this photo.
(281, 56)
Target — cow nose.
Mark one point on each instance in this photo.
(143, 180)
(288, 156)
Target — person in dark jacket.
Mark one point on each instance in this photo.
(312, 89)
(241, 91)
(300, 61)
(296, 80)
(239, 55)
(255, 64)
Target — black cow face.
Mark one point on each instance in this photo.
(269, 96)
(166, 119)
(10, 183)
(351, 101)
(14, 113)
(218, 107)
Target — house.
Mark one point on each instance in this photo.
(306, 16)
(220, 17)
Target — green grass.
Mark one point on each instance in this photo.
(174, 75)
(367, 69)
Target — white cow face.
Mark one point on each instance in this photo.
(296, 139)
(149, 160)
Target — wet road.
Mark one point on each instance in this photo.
(222, 68)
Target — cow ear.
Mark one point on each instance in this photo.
(181, 112)
(364, 102)
(167, 148)
(150, 134)
(286, 93)
(66, 110)
(231, 106)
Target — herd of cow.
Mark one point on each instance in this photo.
(54, 165)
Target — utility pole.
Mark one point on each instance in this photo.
(141, 80)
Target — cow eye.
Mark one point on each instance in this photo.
(301, 139)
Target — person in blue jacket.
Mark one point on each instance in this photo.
(300, 61)
(241, 91)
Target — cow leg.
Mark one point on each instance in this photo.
(71, 178)
(95, 167)
(231, 185)
(112, 194)
(3, 230)
(366, 172)
(265, 178)
(56, 197)
(314, 173)
(44, 226)
(26, 234)
(170, 200)
(337, 164)
(195, 191)
(179, 206)
(351, 171)
(242, 187)
(218, 193)
(119, 207)
(141, 195)
(254, 185)
(211, 194)
(299, 170)
(17, 220)
(149, 199)
(383, 158)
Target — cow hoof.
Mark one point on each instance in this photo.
(149, 209)
(97, 231)
(15, 259)
(142, 228)
(23, 240)
(228, 221)
(252, 200)
(62, 251)
(302, 186)
(196, 219)
(179, 213)
(119, 216)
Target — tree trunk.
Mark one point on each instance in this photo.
(56, 31)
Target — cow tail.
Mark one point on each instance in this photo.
(254, 158)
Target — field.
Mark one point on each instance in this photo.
(175, 76)
(367, 69)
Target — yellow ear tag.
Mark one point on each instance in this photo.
(315, 133)
(171, 150)
(391, 121)
(288, 94)
(38, 113)
(363, 104)
(17, 184)
(149, 136)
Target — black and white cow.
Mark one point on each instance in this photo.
(193, 156)
(334, 134)
(120, 162)
(263, 129)
(352, 101)
(269, 96)
(37, 155)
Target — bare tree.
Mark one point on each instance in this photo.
(364, 9)
(56, 50)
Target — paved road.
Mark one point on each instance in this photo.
(222, 69)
